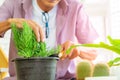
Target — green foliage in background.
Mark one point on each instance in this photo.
(27, 45)
(84, 69)
(113, 46)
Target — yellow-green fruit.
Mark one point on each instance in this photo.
(83, 69)
(101, 69)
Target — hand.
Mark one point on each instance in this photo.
(88, 54)
(65, 46)
(84, 53)
(35, 27)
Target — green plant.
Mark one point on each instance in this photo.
(83, 69)
(26, 44)
(113, 46)
(101, 69)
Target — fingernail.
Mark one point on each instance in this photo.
(43, 40)
(38, 40)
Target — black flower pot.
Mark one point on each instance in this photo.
(36, 68)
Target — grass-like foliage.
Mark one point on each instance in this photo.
(27, 45)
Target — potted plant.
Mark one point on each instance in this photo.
(113, 46)
(85, 70)
(36, 62)
(101, 71)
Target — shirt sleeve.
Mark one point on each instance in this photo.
(5, 11)
(85, 32)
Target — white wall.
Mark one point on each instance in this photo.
(1, 1)
(98, 11)
(4, 42)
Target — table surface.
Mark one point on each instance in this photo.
(3, 69)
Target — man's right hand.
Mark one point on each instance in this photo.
(35, 27)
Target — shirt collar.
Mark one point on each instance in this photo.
(28, 4)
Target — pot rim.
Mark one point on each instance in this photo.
(36, 58)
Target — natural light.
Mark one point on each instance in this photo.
(105, 17)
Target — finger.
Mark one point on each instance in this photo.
(74, 54)
(62, 55)
(17, 21)
(19, 25)
(83, 55)
(35, 30)
(86, 55)
(42, 35)
(65, 46)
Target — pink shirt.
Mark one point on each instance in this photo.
(72, 24)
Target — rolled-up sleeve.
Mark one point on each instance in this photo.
(5, 12)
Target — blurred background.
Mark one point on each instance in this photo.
(105, 17)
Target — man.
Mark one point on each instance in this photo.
(66, 24)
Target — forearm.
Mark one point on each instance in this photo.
(4, 26)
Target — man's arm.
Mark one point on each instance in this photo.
(4, 26)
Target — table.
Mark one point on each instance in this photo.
(3, 70)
